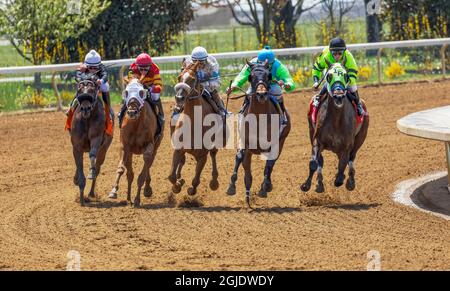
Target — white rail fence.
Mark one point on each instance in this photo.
(123, 63)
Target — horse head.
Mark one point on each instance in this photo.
(134, 96)
(188, 86)
(260, 78)
(87, 97)
(337, 80)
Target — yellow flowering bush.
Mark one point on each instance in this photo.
(364, 73)
(394, 70)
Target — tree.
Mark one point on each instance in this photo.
(37, 28)
(333, 24)
(127, 28)
(251, 16)
(285, 19)
(373, 23)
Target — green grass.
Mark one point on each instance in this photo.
(10, 57)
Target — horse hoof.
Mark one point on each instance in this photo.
(192, 191)
(305, 187)
(148, 191)
(91, 195)
(339, 181)
(214, 185)
(112, 195)
(176, 188)
(231, 190)
(267, 186)
(350, 185)
(320, 188)
(262, 193)
(181, 182)
(136, 204)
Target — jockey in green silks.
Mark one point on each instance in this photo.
(336, 52)
(280, 76)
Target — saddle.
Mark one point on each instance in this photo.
(359, 119)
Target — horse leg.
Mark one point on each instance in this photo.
(201, 161)
(177, 157)
(130, 175)
(246, 164)
(120, 170)
(144, 173)
(313, 165)
(148, 191)
(340, 176)
(101, 155)
(351, 183)
(78, 156)
(95, 145)
(75, 178)
(266, 185)
(180, 182)
(214, 183)
(320, 188)
(239, 158)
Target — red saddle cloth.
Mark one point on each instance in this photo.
(109, 124)
(359, 119)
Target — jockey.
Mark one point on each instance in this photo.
(280, 74)
(208, 76)
(336, 52)
(93, 69)
(148, 72)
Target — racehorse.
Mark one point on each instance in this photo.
(189, 98)
(261, 105)
(137, 137)
(339, 130)
(87, 134)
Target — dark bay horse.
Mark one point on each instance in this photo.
(137, 137)
(260, 132)
(87, 134)
(337, 131)
(196, 110)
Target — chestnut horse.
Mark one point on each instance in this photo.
(137, 137)
(195, 110)
(254, 138)
(87, 134)
(337, 131)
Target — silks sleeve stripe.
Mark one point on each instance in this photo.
(352, 71)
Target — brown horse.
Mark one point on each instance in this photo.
(337, 131)
(196, 110)
(254, 138)
(137, 137)
(87, 134)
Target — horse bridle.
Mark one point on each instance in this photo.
(93, 99)
(192, 94)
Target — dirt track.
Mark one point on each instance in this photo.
(40, 220)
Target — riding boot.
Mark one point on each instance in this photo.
(281, 111)
(107, 100)
(219, 102)
(315, 108)
(355, 98)
(161, 119)
(283, 108)
(121, 114)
